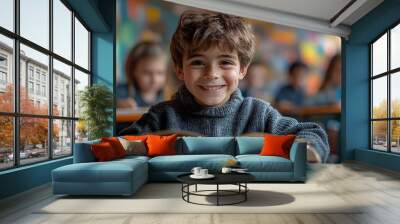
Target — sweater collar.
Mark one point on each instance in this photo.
(190, 105)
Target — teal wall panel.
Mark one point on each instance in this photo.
(377, 158)
(24, 178)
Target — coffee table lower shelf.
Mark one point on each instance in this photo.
(241, 191)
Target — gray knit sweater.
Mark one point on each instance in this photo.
(237, 116)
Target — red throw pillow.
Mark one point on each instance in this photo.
(116, 145)
(277, 145)
(103, 151)
(158, 145)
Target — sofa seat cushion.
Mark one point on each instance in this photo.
(112, 171)
(257, 163)
(185, 163)
(133, 158)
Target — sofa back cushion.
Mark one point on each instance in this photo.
(249, 145)
(83, 152)
(206, 145)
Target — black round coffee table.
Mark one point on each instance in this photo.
(238, 179)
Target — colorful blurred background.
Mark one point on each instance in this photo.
(277, 48)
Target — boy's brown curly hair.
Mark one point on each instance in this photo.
(200, 30)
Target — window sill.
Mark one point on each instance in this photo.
(25, 167)
(378, 158)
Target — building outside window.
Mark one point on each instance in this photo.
(3, 72)
(3, 78)
(55, 96)
(3, 61)
(37, 75)
(43, 78)
(30, 87)
(43, 90)
(38, 89)
(30, 72)
(3, 81)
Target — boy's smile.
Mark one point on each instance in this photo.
(211, 76)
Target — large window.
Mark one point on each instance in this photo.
(385, 92)
(44, 64)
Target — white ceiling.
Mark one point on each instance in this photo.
(320, 9)
(324, 16)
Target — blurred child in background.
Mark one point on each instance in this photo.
(259, 82)
(330, 95)
(330, 90)
(146, 76)
(291, 96)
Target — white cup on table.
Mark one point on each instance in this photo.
(203, 172)
(226, 170)
(196, 170)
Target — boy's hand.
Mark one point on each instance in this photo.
(286, 107)
(312, 155)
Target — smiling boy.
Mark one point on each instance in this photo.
(211, 53)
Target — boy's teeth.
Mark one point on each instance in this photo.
(211, 87)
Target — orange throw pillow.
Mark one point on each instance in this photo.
(277, 145)
(116, 145)
(103, 151)
(161, 145)
(135, 137)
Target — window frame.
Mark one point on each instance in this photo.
(16, 115)
(388, 74)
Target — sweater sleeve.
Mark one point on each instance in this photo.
(149, 122)
(277, 124)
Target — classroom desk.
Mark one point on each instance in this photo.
(128, 117)
(302, 113)
(319, 110)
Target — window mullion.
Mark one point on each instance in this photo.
(16, 84)
(389, 106)
(371, 98)
(50, 81)
(73, 83)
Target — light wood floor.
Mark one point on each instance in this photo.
(378, 188)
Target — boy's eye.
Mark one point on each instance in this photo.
(227, 62)
(196, 62)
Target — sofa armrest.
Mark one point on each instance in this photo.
(83, 152)
(298, 155)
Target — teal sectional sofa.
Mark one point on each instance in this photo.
(125, 176)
